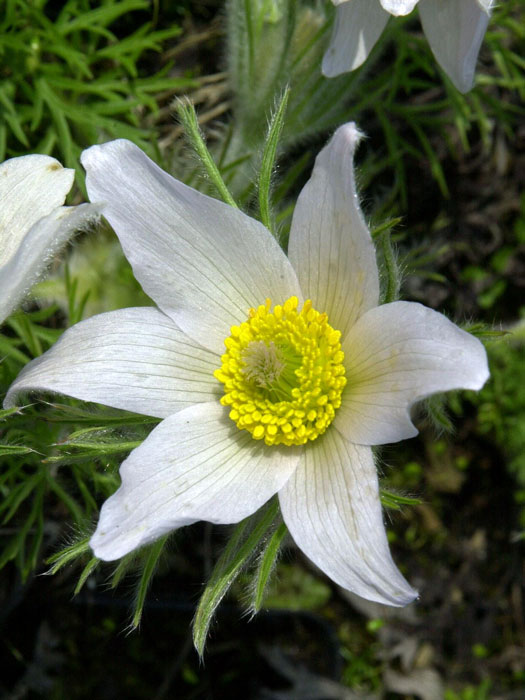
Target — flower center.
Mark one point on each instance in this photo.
(283, 373)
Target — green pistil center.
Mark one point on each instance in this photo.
(272, 368)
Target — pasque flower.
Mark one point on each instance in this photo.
(272, 373)
(454, 29)
(33, 224)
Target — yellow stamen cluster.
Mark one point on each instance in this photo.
(283, 373)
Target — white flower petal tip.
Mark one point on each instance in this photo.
(348, 135)
(195, 465)
(332, 508)
(455, 32)
(395, 355)
(357, 26)
(210, 253)
(33, 224)
(30, 188)
(330, 244)
(372, 610)
(132, 359)
(486, 5)
(399, 7)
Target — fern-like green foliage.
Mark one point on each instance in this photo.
(73, 79)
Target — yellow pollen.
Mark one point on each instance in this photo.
(283, 373)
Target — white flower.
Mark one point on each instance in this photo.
(454, 29)
(316, 382)
(33, 224)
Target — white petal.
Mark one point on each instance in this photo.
(331, 507)
(36, 249)
(455, 31)
(330, 245)
(134, 359)
(203, 262)
(399, 7)
(394, 355)
(358, 25)
(196, 465)
(30, 188)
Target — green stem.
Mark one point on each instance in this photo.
(268, 160)
(393, 281)
(188, 118)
